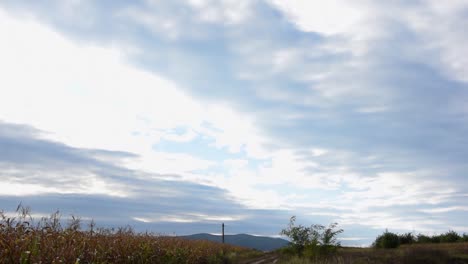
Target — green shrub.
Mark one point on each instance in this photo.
(424, 239)
(464, 238)
(435, 239)
(300, 236)
(289, 250)
(406, 238)
(450, 237)
(387, 240)
(315, 241)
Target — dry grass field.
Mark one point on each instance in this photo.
(453, 253)
(26, 241)
(22, 240)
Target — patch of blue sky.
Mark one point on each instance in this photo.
(305, 194)
(204, 147)
(199, 147)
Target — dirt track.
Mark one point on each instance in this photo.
(267, 258)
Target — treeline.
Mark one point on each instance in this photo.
(393, 240)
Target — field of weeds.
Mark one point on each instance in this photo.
(23, 240)
(451, 253)
(417, 253)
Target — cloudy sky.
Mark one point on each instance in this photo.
(175, 116)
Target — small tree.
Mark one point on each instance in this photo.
(299, 235)
(316, 239)
(329, 235)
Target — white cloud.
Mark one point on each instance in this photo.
(170, 163)
(325, 17)
(189, 218)
(224, 11)
(88, 97)
(399, 188)
(165, 25)
(82, 184)
(444, 209)
(175, 21)
(372, 109)
(441, 25)
(438, 24)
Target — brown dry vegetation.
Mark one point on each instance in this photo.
(23, 241)
(452, 253)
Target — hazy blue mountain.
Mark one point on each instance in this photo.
(244, 240)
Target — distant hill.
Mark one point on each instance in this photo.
(244, 240)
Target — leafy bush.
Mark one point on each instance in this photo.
(387, 240)
(300, 236)
(464, 238)
(424, 239)
(406, 238)
(313, 241)
(450, 237)
(435, 239)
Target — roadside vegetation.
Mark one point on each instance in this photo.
(318, 244)
(24, 241)
(393, 240)
(445, 253)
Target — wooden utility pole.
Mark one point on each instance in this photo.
(223, 233)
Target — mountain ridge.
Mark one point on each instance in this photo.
(261, 243)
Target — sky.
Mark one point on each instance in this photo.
(176, 116)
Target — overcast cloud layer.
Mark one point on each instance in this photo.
(189, 113)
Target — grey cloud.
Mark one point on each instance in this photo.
(324, 98)
(25, 158)
(159, 200)
(28, 158)
(118, 212)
